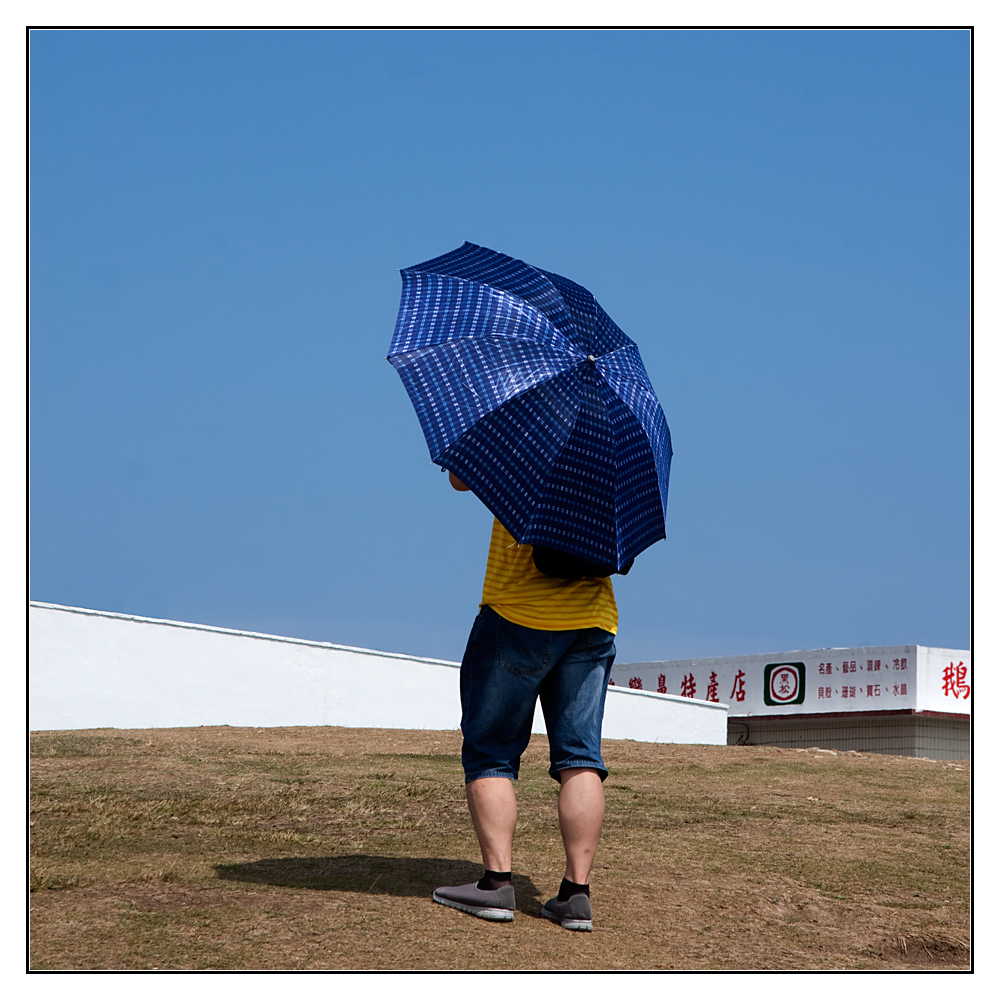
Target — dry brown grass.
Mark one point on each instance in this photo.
(318, 848)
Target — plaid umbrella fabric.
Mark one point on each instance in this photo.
(528, 391)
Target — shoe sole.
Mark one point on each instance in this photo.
(570, 923)
(483, 912)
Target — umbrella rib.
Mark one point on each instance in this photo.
(555, 462)
(524, 303)
(572, 351)
(483, 284)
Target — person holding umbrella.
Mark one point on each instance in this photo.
(533, 399)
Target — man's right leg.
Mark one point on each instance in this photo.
(573, 697)
(581, 816)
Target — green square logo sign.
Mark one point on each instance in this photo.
(784, 684)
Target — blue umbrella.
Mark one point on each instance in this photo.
(528, 391)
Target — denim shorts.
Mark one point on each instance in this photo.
(505, 668)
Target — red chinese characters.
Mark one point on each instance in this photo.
(661, 686)
(739, 691)
(954, 680)
(826, 668)
(713, 688)
(635, 682)
(687, 686)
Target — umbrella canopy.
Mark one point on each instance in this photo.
(528, 391)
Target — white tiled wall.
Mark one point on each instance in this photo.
(913, 735)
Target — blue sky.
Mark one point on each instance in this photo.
(778, 219)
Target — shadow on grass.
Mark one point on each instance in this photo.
(372, 873)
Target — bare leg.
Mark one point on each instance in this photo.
(494, 815)
(581, 816)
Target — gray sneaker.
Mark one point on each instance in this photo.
(490, 904)
(575, 914)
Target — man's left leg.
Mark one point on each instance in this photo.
(494, 815)
(502, 668)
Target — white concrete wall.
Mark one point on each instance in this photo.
(862, 679)
(92, 669)
(659, 718)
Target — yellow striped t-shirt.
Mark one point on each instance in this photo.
(517, 591)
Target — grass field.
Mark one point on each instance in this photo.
(318, 848)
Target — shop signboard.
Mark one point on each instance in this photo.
(862, 679)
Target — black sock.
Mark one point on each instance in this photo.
(568, 889)
(493, 880)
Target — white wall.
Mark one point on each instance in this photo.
(861, 679)
(94, 669)
(944, 679)
(658, 718)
